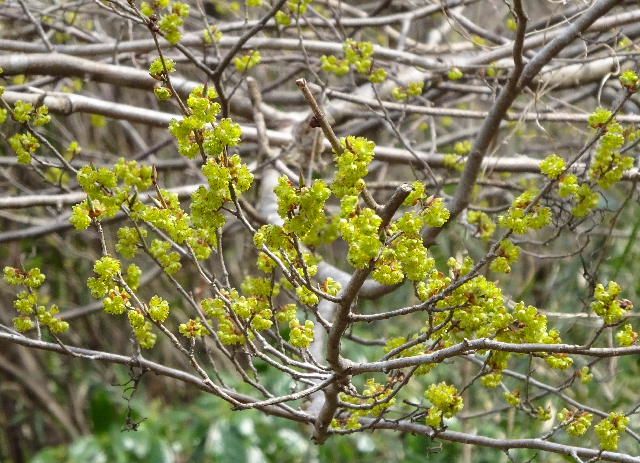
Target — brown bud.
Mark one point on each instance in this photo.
(155, 28)
(625, 304)
(153, 17)
(314, 122)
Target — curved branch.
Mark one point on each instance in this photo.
(504, 444)
(267, 407)
(470, 346)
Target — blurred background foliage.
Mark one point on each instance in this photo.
(203, 429)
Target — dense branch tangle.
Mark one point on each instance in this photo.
(428, 242)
